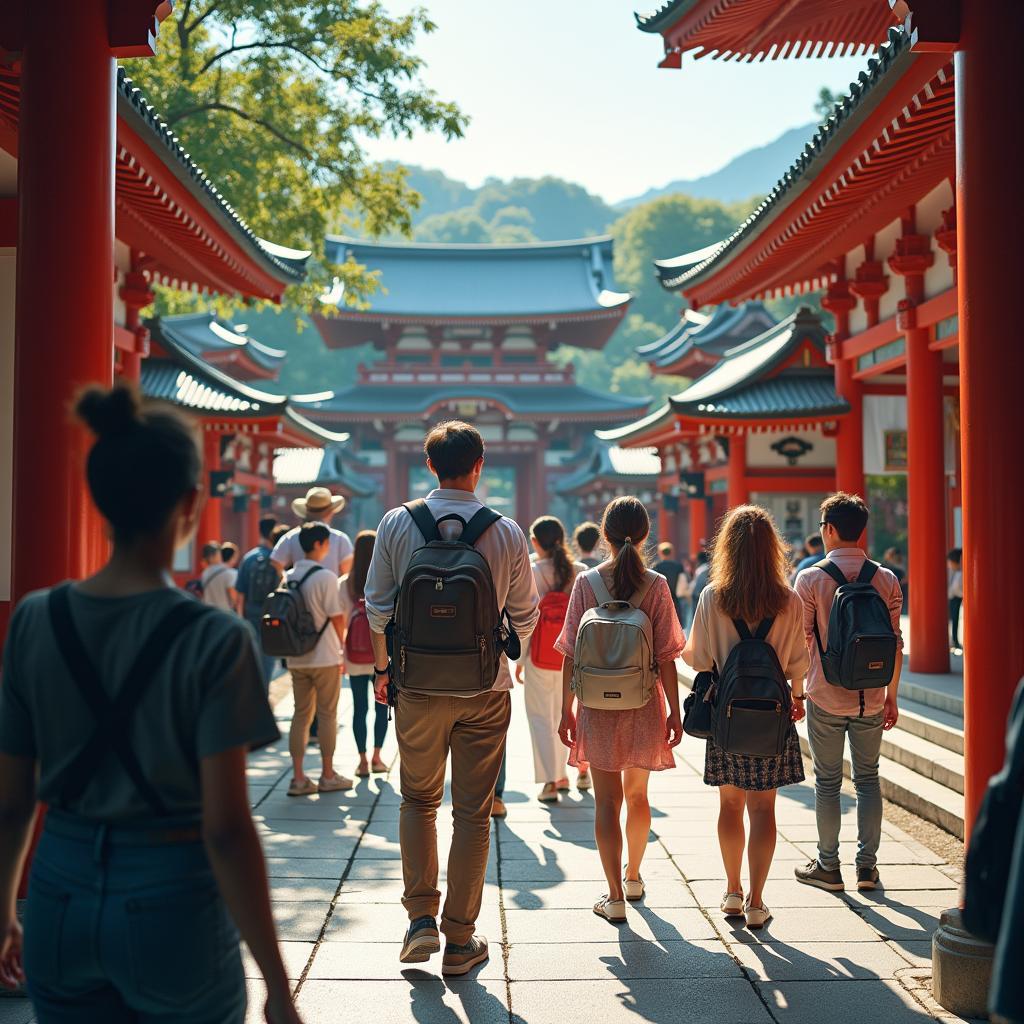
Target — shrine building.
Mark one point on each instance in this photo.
(468, 332)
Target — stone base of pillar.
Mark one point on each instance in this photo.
(961, 967)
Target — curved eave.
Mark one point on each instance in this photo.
(313, 432)
(649, 431)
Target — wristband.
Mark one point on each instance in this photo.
(799, 696)
(380, 671)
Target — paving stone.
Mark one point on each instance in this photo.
(901, 923)
(811, 1002)
(941, 899)
(918, 953)
(818, 961)
(16, 1010)
(803, 925)
(351, 961)
(456, 1001)
(695, 1000)
(382, 922)
(889, 852)
(303, 890)
(300, 922)
(311, 868)
(642, 923)
(601, 961)
(575, 895)
(779, 894)
(912, 877)
(294, 954)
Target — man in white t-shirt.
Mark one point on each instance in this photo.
(316, 676)
(318, 506)
(217, 579)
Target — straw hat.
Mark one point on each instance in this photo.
(316, 502)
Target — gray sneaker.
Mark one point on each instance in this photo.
(867, 879)
(814, 874)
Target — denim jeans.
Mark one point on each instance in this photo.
(826, 734)
(499, 786)
(362, 688)
(119, 929)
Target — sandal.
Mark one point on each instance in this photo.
(562, 785)
(611, 910)
(583, 780)
(549, 794)
(732, 904)
(757, 917)
(379, 768)
(307, 787)
(335, 784)
(362, 773)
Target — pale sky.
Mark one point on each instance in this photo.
(572, 88)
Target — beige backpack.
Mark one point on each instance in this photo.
(613, 661)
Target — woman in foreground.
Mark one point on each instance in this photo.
(134, 706)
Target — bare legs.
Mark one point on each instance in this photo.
(610, 789)
(760, 808)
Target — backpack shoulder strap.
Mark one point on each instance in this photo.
(597, 584)
(743, 629)
(867, 571)
(763, 629)
(830, 568)
(481, 522)
(641, 592)
(423, 519)
(315, 568)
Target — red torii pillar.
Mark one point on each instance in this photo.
(989, 212)
(738, 492)
(926, 466)
(209, 528)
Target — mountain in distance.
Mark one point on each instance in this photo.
(752, 173)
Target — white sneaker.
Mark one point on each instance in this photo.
(611, 910)
(732, 904)
(757, 917)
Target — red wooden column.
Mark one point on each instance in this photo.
(738, 494)
(698, 525)
(850, 437)
(989, 159)
(252, 519)
(135, 294)
(65, 190)
(926, 466)
(209, 517)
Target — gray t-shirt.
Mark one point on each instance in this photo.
(208, 698)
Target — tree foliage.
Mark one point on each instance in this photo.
(826, 101)
(272, 100)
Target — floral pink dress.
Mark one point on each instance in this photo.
(612, 741)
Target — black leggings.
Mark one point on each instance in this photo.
(954, 618)
(362, 691)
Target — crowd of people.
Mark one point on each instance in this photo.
(149, 839)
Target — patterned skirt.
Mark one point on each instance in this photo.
(754, 773)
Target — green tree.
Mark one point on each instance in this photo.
(272, 100)
(827, 99)
(464, 227)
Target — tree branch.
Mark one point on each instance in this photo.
(227, 108)
(285, 44)
(200, 18)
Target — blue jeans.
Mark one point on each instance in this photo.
(826, 734)
(120, 930)
(499, 786)
(362, 692)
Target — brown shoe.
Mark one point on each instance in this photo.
(462, 959)
(498, 809)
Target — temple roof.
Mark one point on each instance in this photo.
(482, 282)
(886, 144)
(602, 461)
(555, 401)
(203, 334)
(711, 336)
(331, 465)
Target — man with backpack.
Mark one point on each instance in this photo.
(852, 625)
(309, 605)
(217, 580)
(450, 583)
(257, 577)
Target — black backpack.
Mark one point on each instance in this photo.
(992, 850)
(752, 699)
(287, 629)
(861, 650)
(263, 578)
(446, 636)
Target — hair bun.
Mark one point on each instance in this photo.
(107, 412)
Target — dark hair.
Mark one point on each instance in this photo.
(814, 541)
(955, 555)
(145, 459)
(453, 448)
(586, 537)
(279, 531)
(361, 554)
(228, 550)
(311, 534)
(211, 548)
(549, 533)
(665, 549)
(702, 558)
(847, 513)
(267, 524)
(626, 525)
(750, 572)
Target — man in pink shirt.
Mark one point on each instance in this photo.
(833, 713)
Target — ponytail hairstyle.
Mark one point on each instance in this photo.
(361, 554)
(145, 459)
(626, 526)
(549, 533)
(749, 567)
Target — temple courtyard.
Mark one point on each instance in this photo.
(336, 882)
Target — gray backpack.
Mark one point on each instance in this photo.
(613, 660)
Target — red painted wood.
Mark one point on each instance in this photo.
(991, 410)
(63, 345)
(738, 493)
(210, 525)
(698, 526)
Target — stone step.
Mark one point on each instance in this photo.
(932, 724)
(920, 794)
(944, 693)
(924, 757)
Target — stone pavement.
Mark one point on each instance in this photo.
(336, 880)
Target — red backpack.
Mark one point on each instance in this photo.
(358, 645)
(553, 607)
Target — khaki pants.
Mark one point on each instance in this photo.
(473, 729)
(316, 689)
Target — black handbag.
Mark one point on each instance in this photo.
(699, 708)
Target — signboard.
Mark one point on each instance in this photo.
(895, 450)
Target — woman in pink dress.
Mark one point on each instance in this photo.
(624, 747)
